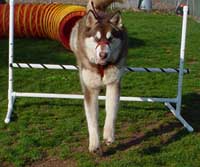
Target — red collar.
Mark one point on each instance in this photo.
(101, 70)
(100, 67)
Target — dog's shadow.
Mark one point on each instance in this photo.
(135, 42)
(191, 113)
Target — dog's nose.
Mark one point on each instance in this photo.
(103, 55)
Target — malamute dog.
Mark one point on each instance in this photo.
(99, 42)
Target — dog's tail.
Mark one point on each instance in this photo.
(101, 4)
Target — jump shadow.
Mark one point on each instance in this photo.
(137, 138)
(190, 112)
(135, 42)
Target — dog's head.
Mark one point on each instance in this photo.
(103, 37)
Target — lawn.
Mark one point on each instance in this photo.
(54, 132)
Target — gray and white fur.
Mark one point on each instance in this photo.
(100, 46)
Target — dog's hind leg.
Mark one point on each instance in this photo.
(91, 110)
(112, 103)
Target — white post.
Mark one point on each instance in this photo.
(10, 69)
(177, 112)
(146, 5)
(181, 65)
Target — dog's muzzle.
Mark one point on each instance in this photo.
(102, 43)
(103, 48)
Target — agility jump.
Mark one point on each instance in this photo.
(55, 22)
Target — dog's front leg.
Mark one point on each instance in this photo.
(91, 110)
(112, 103)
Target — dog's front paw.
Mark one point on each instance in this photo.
(108, 141)
(108, 136)
(96, 150)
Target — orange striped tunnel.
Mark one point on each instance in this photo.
(54, 21)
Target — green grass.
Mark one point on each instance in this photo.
(147, 134)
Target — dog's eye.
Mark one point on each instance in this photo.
(96, 39)
(110, 39)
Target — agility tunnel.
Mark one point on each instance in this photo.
(53, 21)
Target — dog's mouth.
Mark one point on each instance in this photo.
(102, 63)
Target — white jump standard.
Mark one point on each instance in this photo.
(167, 101)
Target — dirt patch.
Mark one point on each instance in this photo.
(54, 162)
(6, 164)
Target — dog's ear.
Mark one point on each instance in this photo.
(116, 19)
(90, 19)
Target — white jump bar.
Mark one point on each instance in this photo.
(72, 67)
(75, 96)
